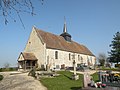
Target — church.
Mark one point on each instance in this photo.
(56, 51)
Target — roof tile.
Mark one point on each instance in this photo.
(58, 42)
(28, 56)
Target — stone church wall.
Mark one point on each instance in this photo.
(66, 58)
(34, 45)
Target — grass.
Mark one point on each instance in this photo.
(62, 82)
(1, 77)
(95, 77)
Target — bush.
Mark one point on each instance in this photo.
(113, 69)
(32, 73)
(13, 69)
(8, 69)
(1, 77)
(0, 69)
(117, 65)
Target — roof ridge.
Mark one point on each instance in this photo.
(46, 32)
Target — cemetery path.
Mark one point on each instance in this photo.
(19, 81)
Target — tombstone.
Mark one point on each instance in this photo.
(86, 79)
(100, 75)
(48, 68)
(48, 64)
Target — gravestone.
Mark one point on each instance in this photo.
(86, 79)
(100, 75)
(48, 64)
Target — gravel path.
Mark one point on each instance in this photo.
(19, 81)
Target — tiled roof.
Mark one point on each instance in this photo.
(58, 42)
(28, 56)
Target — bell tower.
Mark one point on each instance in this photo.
(65, 34)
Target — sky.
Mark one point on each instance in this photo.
(90, 22)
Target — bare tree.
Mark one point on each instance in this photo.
(102, 59)
(6, 65)
(10, 7)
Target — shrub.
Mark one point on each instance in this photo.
(13, 69)
(8, 69)
(32, 73)
(117, 65)
(0, 69)
(1, 77)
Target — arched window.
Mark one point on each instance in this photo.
(69, 56)
(78, 57)
(81, 59)
(56, 54)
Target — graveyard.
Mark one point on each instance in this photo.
(77, 80)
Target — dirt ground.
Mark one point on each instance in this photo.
(19, 81)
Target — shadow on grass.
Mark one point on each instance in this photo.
(68, 77)
(97, 80)
(76, 88)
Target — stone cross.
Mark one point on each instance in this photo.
(74, 67)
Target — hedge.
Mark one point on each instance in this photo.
(1, 77)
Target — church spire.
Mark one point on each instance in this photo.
(65, 34)
(65, 26)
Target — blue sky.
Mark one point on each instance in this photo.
(90, 22)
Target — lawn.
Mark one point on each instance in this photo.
(1, 77)
(95, 77)
(62, 82)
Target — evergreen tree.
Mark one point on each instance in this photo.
(114, 54)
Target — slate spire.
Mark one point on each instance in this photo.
(65, 26)
(65, 34)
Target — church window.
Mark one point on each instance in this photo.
(78, 57)
(73, 56)
(91, 59)
(81, 59)
(56, 54)
(69, 56)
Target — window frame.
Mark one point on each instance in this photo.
(69, 56)
(56, 54)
